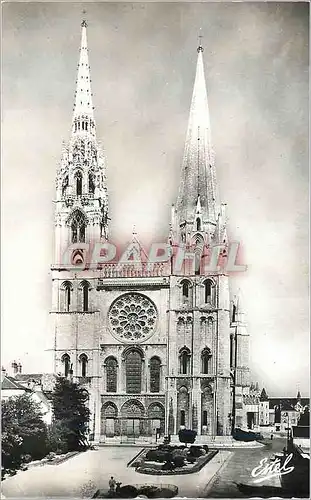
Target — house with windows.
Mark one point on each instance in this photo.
(155, 346)
(285, 412)
(37, 386)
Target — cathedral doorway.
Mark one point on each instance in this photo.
(133, 427)
(109, 414)
(132, 418)
(156, 419)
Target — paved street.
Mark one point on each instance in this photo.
(238, 470)
(83, 474)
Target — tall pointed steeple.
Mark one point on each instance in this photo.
(198, 181)
(83, 114)
(81, 189)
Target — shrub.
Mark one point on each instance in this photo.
(156, 456)
(128, 491)
(191, 459)
(27, 458)
(149, 490)
(178, 460)
(180, 452)
(168, 465)
(57, 438)
(187, 436)
(23, 432)
(167, 491)
(196, 451)
(51, 455)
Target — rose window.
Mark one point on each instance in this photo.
(132, 317)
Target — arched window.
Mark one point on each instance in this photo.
(67, 288)
(66, 363)
(111, 374)
(185, 289)
(155, 367)
(78, 179)
(78, 225)
(85, 288)
(206, 360)
(185, 292)
(133, 369)
(208, 291)
(91, 184)
(184, 361)
(83, 360)
(198, 222)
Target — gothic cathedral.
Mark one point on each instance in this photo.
(156, 348)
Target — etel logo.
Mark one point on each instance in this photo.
(266, 471)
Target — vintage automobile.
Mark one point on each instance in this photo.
(242, 435)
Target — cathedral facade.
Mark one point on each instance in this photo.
(158, 348)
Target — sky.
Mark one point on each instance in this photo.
(143, 58)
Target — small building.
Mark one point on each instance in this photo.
(264, 409)
(285, 412)
(37, 385)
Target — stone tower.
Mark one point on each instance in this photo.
(199, 357)
(157, 347)
(81, 217)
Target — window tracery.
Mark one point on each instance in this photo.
(78, 225)
(111, 374)
(155, 368)
(133, 364)
(132, 317)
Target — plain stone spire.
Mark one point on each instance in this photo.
(198, 169)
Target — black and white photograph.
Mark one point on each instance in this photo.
(155, 250)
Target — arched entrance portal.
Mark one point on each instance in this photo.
(132, 418)
(109, 414)
(156, 419)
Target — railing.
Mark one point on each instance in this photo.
(144, 270)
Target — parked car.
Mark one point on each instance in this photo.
(241, 435)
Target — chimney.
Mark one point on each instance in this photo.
(14, 367)
(19, 368)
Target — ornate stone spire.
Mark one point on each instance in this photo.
(83, 114)
(81, 185)
(198, 169)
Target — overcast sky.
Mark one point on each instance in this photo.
(143, 59)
